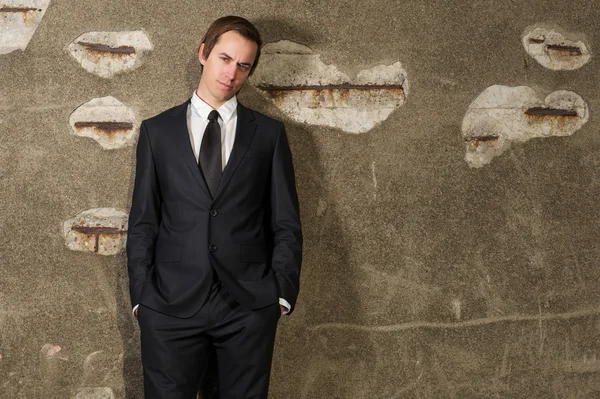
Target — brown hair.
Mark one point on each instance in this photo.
(225, 24)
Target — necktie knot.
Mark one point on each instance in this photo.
(213, 116)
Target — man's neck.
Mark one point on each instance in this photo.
(207, 99)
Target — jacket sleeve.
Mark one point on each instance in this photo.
(144, 217)
(285, 222)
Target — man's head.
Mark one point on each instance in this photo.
(229, 54)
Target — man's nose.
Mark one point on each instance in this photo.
(231, 71)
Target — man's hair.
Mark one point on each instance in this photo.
(231, 23)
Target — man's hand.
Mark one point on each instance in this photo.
(135, 312)
(283, 309)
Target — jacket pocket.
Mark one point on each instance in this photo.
(167, 253)
(254, 253)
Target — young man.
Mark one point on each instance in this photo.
(214, 243)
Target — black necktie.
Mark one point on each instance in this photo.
(210, 153)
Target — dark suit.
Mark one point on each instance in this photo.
(182, 243)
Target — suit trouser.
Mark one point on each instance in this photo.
(175, 351)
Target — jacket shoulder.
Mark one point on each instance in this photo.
(266, 121)
(166, 116)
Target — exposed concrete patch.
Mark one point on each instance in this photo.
(456, 305)
(100, 230)
(554, 49)
(321, 207)
(106, 120)
(501, 115)
(95, 393)
(110, 53)
(309, 91)
(50, 350)
(18, 22)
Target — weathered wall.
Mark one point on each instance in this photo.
(451, 244)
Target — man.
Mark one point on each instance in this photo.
(214, 243)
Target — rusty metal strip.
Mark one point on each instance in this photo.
(8, 9)
(105, 126)
(482, 138)
(89, 230)
(541, 111)
(536, 41)
(567, 49)
(103, 48)
(344, 86)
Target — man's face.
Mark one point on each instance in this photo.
(226, 68)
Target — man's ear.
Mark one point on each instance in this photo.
(200, 54)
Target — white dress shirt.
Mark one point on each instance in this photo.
(197, 120)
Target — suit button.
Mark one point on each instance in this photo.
(213, 212)
(212, 248)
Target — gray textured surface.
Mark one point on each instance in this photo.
(422, 278)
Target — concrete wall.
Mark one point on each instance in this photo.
(451, 244)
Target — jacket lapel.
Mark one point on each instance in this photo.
(244, 132)
(181, 140)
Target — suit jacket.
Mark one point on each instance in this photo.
(178, 235)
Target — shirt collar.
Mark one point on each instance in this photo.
(226, 111)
